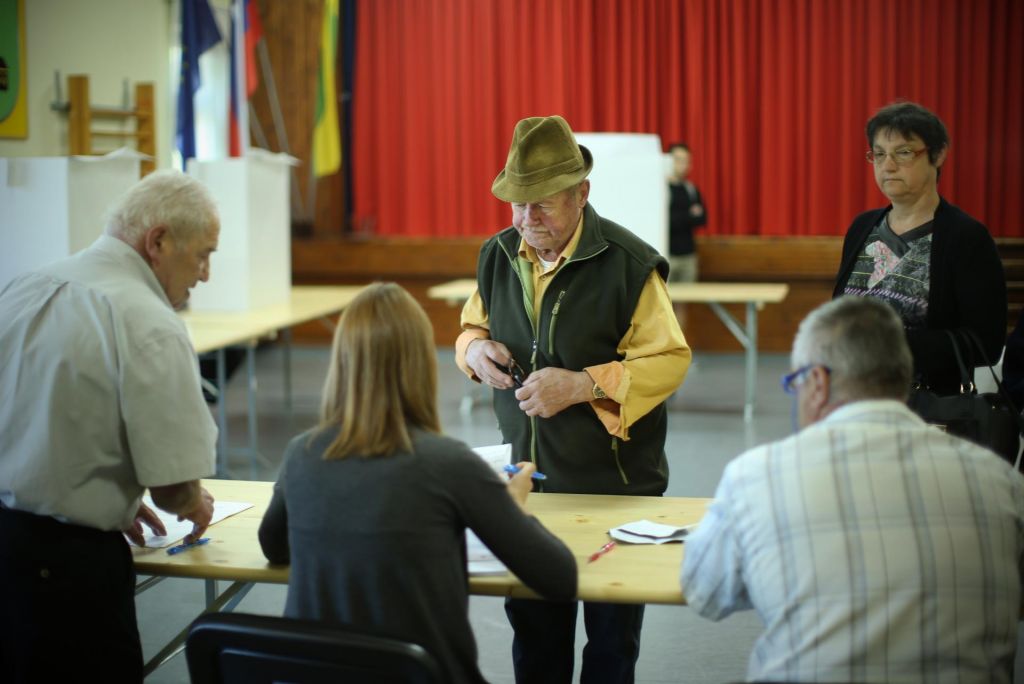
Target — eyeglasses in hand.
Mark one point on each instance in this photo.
(516, 372)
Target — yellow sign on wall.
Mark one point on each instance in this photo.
(13, 74)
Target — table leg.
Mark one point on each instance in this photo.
(748, 338)
(226, 602)
(254, 448)
(222, 413)
(748, 406)
(286, 362)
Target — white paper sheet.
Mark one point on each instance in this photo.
(496, 456)
(480, 559)
(176, 531)
(647, 532)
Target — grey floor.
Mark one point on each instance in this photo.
(706, 430)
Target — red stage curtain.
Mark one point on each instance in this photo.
(771, 96)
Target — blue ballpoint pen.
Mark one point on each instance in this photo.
(512, 470)
(184, 547)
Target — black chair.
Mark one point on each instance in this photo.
(234, 648)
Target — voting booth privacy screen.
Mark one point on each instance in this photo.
(252, 265)
(53, 207)
(628, 184)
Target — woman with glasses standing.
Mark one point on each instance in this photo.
(934, 264)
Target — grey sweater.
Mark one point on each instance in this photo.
(380, 542)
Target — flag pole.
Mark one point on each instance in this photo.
(241, 97)
(279, 127)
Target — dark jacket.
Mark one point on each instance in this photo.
(586, 310)
(380, 542)
(681, 223)
(967, 290)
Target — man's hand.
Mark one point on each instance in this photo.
(200, 516)
(488, 359)
(153, 522)
(550, 391)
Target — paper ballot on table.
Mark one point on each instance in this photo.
(478, 557)
(647, 532)
(176, 531)
(496, 456)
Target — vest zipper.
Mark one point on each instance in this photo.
(551, 325)
(618, 463)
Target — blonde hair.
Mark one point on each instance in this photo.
(382, 378)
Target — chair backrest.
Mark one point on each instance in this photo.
(229, 648)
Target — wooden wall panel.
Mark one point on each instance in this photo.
(808, 265)
(292, 34)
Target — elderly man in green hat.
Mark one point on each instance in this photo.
(572, 326)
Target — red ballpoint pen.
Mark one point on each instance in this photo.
(601, 551)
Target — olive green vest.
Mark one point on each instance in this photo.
(585, 312)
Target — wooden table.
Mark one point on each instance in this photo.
(628, 574)
(215, 331)
(753, 295)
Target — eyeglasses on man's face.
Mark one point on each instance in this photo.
(516, 372)
(903, 156)
(791, 381)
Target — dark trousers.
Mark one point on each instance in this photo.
(543, 648)
(67, 603)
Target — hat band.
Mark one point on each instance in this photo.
(540, 175)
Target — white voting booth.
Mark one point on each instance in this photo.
(53, 207)
(252, 265)
(628, 184)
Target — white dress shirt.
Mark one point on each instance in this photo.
(99, 390)
(874, 547)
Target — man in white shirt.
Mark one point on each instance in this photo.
(99, 400)
(875, 548)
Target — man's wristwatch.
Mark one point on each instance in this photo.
(598, 392)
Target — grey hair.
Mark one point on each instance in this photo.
(163, 198)
(861, 340)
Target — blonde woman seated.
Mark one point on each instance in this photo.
(371, 507)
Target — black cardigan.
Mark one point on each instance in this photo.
(967, 289)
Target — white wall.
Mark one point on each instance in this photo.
(108, 40)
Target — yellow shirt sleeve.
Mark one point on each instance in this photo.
(655, 355)
(655, 361)
(475, 326)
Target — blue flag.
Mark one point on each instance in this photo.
(199, 33)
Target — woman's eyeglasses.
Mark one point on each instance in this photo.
(903, 156)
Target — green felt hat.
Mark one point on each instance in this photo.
(544, 159)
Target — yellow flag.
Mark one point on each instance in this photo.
(326, 137)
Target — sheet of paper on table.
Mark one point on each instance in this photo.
(496, 456)
(647, 532)
(176, 531)
(478, 557)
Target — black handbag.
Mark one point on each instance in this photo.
(988, 419)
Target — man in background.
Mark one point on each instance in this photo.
(99, 399)
(685, 214)
(572, 326)
(874, 547)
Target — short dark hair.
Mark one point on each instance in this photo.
(907, 119)
(678, 146)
